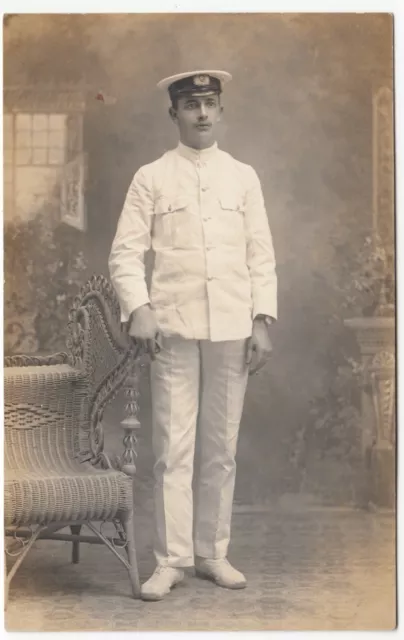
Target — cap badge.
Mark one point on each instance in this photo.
(201, 81)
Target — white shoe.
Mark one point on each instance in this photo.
(161, 583)
(221, 572)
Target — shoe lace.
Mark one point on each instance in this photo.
(161, 569)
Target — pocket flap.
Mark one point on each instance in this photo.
(169, 204)
(231, 202)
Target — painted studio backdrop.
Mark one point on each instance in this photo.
(311, 108)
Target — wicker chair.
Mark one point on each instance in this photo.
(57, 474)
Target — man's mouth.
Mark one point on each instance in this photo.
(203, 126)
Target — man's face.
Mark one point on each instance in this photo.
(197, 118)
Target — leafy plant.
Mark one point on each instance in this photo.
(368, 281)
(333, 428)
(44, 267)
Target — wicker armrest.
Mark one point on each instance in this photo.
(33, 374)
(23, 360)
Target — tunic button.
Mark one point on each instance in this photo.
(169, 208)
(204, 188)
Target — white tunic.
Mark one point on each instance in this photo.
(202, 213)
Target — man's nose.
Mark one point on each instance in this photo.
(203, 112)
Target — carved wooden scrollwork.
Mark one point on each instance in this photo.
(383, 162)
(131, 423)
(382, 377)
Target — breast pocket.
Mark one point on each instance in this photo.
(232, 218)
(171, 219)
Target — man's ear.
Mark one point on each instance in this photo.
(173, 114)
(220, 112)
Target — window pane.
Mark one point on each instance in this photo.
(56, 139)
(40, 156)
(57, 122)
(7, 122)
(23, 121)
(23, 156)
(8, 140)
(56, 156)
(8, 176)
(8, 199)
(8, 131)
(40, 122)
(8, 156)
(23, 139)
(40, 139)
(8, 190)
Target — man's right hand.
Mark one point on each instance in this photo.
(143, 327)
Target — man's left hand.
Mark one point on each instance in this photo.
(259, 346)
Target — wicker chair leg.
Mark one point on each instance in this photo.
(129, 527)
(75, 529)
(10, 575)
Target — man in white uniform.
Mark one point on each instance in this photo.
(206, 321)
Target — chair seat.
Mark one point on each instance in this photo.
(80, 492)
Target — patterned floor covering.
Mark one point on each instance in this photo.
(324, 570)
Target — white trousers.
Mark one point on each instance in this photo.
(198, 390)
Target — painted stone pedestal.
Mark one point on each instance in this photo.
(376, 338)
